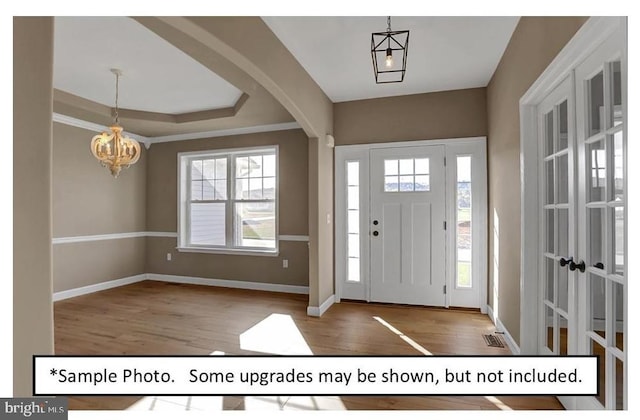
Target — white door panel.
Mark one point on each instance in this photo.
(407, 238)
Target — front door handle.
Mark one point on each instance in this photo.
(375, 233)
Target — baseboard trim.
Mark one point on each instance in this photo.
(511, 343)
(85, 290)
(317, 311)
(235, 284)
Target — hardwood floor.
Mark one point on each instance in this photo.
(164, 318)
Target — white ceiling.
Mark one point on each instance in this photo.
(156, 77)
(444, 53)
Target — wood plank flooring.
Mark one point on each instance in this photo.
(163, 318)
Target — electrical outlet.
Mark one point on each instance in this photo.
(285, 263)
(168, 256)
(328, 218)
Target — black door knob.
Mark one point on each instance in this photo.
(580, 266)
(375, 222)
(375, 233)
(599, 265)
(564, 261)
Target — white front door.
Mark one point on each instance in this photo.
(407, 225)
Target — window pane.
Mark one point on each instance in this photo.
(597, 170)
(618, 240)
(354, 245)
(617, 93)
(256, 225)
(353, 221)
(255, 166)
(353, 198)
(422, 166)
(548, 321)
(391, 183)
(549, 230)
(269, 187)
(391, 167)
(422, 183)
(549, 293)
(597, 300)
(221, 189)
(242, 189)
(549, 181)
(463, 222)
(269, 165)
(597, 235)
(618, 309)
(596, 104)
(242, 167)
(221, 168)
(196, 190)
(597, 349)
(548, 133)
(196, 169)
(406, 183)
(563, 326)
(562, 175)
(353, 271)
(208, 168)
(618, 167)
(208, 224)
(563, 125)
(406, 166)
(353, 173)
(208, 189)
(255, 188)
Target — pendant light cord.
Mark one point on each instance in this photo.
(388, 23)
(117, 86)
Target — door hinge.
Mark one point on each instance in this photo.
(444, 289)
(444, 225)
(445, 161)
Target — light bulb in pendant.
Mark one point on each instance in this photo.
(389, 60)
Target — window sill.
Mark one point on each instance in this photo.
(225, 251)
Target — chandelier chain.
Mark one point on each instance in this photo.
(117, 85)
(388, 23)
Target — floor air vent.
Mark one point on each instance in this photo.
(492, 340)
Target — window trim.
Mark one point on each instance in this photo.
(184, 160)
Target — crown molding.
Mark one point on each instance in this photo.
(87, 125)
(226, 132)
(148, 141)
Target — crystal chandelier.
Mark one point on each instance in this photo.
(115, 150)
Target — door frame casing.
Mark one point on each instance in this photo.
(465, 145)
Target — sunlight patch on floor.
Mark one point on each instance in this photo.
(276, 334)
(403, 337)
(499, 404)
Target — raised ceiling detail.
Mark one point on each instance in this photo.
(157, 77)
(445, 53)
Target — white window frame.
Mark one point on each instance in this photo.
(184, 178)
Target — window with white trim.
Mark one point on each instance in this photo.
(228, 200)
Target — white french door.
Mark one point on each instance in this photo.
(583, 190)
(411, 222)
(407, 212)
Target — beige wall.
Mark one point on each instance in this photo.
(87, 200)
(534, 44)
(293, 212)
(32, 107)
(438, 115)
